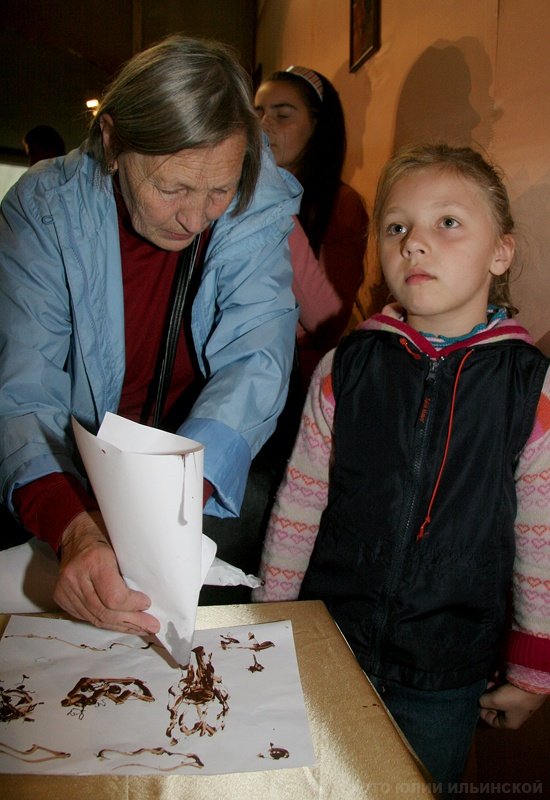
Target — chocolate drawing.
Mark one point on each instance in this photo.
(256, 645)
(256, 666)
(228, 642)
(192, 759)
(81, 646)
(95, 691)
(199, 689)
(275, 752)
(20, 754)
(76, 700)
(17, 703)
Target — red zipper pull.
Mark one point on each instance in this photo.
(422, 531)
(407, 347)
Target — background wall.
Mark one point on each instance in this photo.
(469, 71)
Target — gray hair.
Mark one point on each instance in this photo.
(179, 94)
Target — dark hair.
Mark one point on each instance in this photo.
(321, 169)
(470, 165)
(180, 94)
(43, 141)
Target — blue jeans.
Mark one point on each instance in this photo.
(439, 725)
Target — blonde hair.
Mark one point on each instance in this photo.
(468, 163)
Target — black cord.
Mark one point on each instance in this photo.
(186, 265)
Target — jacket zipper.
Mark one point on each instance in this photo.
(428, 517)
(422, 428)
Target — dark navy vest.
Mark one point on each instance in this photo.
(416, 546)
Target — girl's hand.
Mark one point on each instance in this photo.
(508, 706)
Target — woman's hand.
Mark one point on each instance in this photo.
(90, 586)
(508, 706)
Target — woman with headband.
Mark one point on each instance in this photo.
(301, 113)
(302, 116)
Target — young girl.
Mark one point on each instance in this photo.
(425, 439)
(301, 113)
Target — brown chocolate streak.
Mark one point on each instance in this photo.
(91, 691)
(227, 643)
(16, 704)
(80, 646)
(256, 666)
(156, 751)
(202, 689)
(12, 751)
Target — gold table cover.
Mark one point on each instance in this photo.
(360, 753)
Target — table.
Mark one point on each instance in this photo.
(360, 752)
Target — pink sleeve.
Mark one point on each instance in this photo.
(302, 496)
(326, 288)
(316, 296)
(528, 647)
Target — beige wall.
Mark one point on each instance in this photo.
(470, 71)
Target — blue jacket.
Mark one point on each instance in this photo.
(62, 324)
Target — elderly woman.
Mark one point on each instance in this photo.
(171, 197)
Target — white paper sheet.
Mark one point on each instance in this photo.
(79, 700)
(149, 487)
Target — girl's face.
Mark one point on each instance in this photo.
(439, 249)
(287, 121)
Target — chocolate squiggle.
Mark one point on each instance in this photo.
(193, 759)
(229, 642)
(256, 666)
(275, 752)
(81, 646)
(199, 689)
(17, 703)
(93, 691)
(20, 754)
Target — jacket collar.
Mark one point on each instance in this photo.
(498, 331)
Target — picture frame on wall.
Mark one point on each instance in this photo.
(364, 31)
